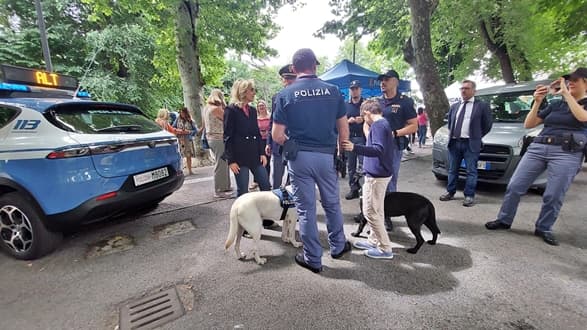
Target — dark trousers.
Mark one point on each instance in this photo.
(354, 162)
(457, 151)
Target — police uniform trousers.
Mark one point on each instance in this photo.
(277, 170)
(355, 162)
(306, 171)
(561, 167)
(397, 161)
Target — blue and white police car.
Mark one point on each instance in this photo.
(66, 160)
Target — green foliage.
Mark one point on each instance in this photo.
(540, 36)
(124, 56)
(66, 30)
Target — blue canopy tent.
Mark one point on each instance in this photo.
(346, 71)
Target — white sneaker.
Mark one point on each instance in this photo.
(376, 253)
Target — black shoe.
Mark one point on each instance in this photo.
(247, 235)
(547, 236)
(446, 197)
(358, 218)
(352, 195)
(388, 224)
(299, 258)
(496, 224)
(347, 247)
(267, 223)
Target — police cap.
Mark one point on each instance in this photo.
(388, 74)
(355, 83)
(579, 73)
(287, 72)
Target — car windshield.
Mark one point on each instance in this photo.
(101, 119)
(511, 107)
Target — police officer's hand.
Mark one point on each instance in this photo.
(359, 120)
(347, 145)
(264, 160)
(540, 93)
(267, 150)
(234, 168)
(352, 120)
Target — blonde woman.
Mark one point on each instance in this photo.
(244, 149)
(214, 123)
(163, 121)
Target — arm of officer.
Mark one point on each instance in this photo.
(278, 133)
(411, 127)
(532, 120)
(343, 130)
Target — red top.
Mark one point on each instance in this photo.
(264, 127)
(422, 119)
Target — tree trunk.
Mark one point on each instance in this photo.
(188, 62)
(498, 48)
(418, 53)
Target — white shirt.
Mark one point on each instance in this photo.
(467, 118)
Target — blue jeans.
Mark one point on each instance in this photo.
(352, 160)
(397, 161)
(308, 170)
(561, 168)
(242, 179)
(457, 151)
(422, 129)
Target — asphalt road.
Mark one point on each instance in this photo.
(472, 279)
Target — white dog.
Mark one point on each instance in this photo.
(247, 213)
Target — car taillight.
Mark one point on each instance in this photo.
(106, 196)
(69, 153)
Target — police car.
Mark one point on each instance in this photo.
(66, 160)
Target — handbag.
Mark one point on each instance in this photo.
(204, 141)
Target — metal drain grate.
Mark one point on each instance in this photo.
(152, 311)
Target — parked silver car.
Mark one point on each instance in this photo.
(502, 145)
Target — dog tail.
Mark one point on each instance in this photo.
(431, 221)
(233, 227)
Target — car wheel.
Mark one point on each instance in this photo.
(22, 232)
(440, 177)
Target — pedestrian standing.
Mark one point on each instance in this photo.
(357, 137)
(422, 127)
(468, 122)
(187, 126)
(558, 149)
(214, 123)
(399, 111)
(243, 149)
(277, 162)
(378, 156)
(309, 117)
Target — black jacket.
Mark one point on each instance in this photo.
(242, 140)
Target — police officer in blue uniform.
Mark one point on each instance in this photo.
(558, 149)
(357, 136)
(277, 163)
(399, 111)
(313, 115)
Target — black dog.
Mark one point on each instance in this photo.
(418, 211)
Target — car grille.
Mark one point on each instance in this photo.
(495, 149)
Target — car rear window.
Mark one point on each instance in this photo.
(101, 119)
(7, 114)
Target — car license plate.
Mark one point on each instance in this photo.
(154, 175)
(481, 165)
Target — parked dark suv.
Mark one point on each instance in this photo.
(502, 145)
